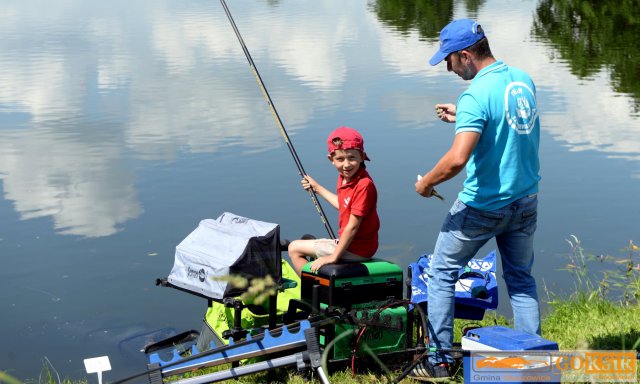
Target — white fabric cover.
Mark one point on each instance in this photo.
(228, 245)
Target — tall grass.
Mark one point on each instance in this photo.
(603, 312)
(618, 281)
(48, 375)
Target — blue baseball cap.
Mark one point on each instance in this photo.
(457, 35)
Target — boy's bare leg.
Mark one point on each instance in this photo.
(299, 251)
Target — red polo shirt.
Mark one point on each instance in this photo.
(360, 197)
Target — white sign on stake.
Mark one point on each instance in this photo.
(97, 365)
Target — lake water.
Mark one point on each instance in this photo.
(123, 124)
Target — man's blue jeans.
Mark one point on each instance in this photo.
(464, 232)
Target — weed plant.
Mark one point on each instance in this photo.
(603, 311)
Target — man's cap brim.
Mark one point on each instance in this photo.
(438, 57)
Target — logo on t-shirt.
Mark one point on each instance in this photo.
(346, 201)
(520, 107)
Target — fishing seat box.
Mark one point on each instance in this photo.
(351, 285)
(362, 289)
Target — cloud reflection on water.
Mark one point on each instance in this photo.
(95, 94)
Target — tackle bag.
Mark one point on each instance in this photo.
(230, 245)
(476, 289)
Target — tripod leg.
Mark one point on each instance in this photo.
(322, 376)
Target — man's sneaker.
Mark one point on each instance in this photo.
(425, 371)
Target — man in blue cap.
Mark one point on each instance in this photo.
(497, 134)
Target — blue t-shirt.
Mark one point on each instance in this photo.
(500, 104)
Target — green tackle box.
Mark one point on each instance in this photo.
(351, 285)
(364, 290)
(385, 332)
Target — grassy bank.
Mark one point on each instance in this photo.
(602, 313)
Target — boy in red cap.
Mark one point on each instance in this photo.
(356, 203)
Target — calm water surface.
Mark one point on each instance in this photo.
(123, 124)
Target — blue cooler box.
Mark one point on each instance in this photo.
(498, 355)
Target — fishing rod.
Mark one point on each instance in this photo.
(274, 112)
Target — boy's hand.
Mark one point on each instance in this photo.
(310, 185)
(308, 182)
(319, 262)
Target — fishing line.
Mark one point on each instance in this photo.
(274, 112)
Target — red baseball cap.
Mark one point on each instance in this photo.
(351, 139)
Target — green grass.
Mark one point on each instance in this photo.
(593, 324)
(601, 314)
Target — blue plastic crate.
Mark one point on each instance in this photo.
(489, 344)
(506, 339)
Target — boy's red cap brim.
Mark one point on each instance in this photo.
(351, 139)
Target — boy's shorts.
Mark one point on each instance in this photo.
(325, 247)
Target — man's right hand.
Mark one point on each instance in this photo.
(446, 112)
